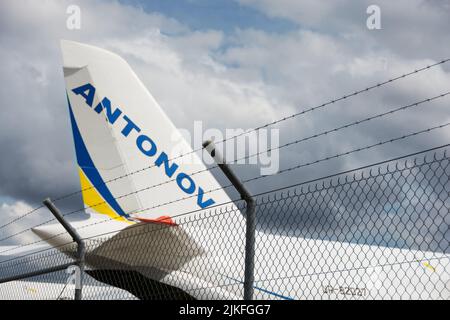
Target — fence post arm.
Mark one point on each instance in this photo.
(81, 249)
(249, 276)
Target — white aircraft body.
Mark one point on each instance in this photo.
(119, 128)
(40, 290)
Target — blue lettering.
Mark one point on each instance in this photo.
(170, 170)
(89, 97)
(145, 144)
(203, 204)
(183, 176)
(106, 104)
(140, 143)
(129, 127)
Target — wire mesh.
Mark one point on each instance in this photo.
(377, 233)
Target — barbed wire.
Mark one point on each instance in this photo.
(34, 252)
(307, 110)
(402, 108)
(256, 195)
(351, 124)
(246, 181)
(21, 217)
(290, 186)
(354, 150)
(294, 115)
(305, 164)
(26, 230)
(357, 169)
(100, 222)
(278, 173)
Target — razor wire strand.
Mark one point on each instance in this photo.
(352, 170)
(294, 115)
(93, 224)
(245, 181)
(354, 150)
(35, 255)
(22, 216)
(402, 108)
(351, 124)
(310, 163)
(322, 178)
(259, 194)
(298, 184)
(323, 133)
(263, 279)
(399, 170)
(263, 177)
(279, 172)
(162, 227)
(85, 226)
(34, 252)
(26, 230)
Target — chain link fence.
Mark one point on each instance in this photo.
(376, 233)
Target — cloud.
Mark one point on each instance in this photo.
(240, 79)
(9, 212)
(411, 28)
(35, 126)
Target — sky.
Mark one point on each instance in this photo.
(230, 64)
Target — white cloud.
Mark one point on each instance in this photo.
(243, 80)
(412, 28)
(178, 70)
(10, 212)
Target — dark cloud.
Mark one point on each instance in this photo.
(242, 79)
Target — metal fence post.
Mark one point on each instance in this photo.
(81, 249)
(249, 276)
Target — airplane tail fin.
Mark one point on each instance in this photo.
(125, 143)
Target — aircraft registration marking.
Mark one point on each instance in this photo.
(346, 291)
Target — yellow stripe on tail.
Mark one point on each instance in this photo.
(94, 201)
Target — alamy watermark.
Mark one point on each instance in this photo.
(74, 278)
(238, 146)
(73, 21)
(373, 22)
